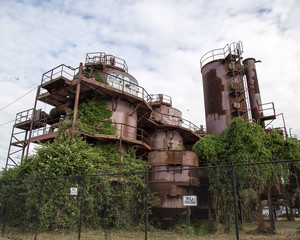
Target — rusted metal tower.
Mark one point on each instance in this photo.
(148, 122)
(227, 83)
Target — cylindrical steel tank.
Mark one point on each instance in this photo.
(224, 94)
(216, 97)
(166, 139)
(253, 89)
(171, 186)
(166, 115)
(125, 117)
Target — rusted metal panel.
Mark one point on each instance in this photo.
(253, 89)
(186, 158)
(166, 139)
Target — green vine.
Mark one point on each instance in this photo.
(244, 142)
(95, 117)
(108, 200)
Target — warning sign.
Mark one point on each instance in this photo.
(190, 200)
(73, 191)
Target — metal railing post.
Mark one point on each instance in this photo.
(81, 207)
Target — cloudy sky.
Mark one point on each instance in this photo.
(162, 42)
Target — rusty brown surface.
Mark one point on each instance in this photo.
(170, 181)
(165, 139)
(216, 97)
(123, 113)
(163, 158)
(253, 89)
(224, 93)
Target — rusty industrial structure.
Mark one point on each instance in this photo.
(146, 121)
(231, 89)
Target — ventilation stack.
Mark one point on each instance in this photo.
(253, 90)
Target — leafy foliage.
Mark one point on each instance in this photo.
(95, 117)
(243, 142)
(108, 199)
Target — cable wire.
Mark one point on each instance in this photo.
(17, 99)
(7, 123)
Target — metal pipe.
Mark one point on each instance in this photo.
(32, 120)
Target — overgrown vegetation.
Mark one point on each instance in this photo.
(95, 117)
(245, 142)
(109, 200)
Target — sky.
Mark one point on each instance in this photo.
(161, 41)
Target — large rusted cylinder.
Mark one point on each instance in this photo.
(170, 186)
(166, 139)
(216, 97)
(253, 89)
(125, 117)
(166, 115)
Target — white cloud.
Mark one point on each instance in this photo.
(161, 41)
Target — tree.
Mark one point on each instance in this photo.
(118, 201)
(242, 142)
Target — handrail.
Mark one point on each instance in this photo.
(267, 107)
(24, 116)
(234, 48)
(140, 134)
(128, 87)
(179, 121)
(59, 71)
(162, 98)
(107, 59)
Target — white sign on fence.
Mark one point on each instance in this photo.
(73, 191)
(190, 200)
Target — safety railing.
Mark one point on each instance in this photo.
(161, 98)
(128, 87)
(101, 57)
(267, 109)
(60, 71)
(41, 131)
(24, 116)
(176, 121)
(116, 129)
(235, 48)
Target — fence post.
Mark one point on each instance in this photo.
(81, 207)
(235, 203)
(6, 208)
(146, 220)
(38, 213)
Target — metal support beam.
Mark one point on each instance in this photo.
(76, 100)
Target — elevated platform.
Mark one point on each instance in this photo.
(104, 137)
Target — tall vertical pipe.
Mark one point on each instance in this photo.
(253, 89)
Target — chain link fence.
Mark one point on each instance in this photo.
(92, 206)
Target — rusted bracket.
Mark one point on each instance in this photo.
(136, 107)
(142, 117)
